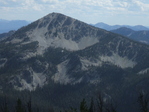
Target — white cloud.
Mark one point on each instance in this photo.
(143, 6)
(123, 4)
(3, 2)
(49, 1)
(79, 9)
(79, 4)
(14, 0)
(6, 8)
(31, 4)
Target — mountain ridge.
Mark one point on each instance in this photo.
(113, 27)
(5, 35)
(8, 25)
(61, 60)
(73, 40)
(141, 36)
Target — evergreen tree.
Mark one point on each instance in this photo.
(83, 106)
(72, 110)
(29, 105)
(111, 108)
(19, 107)
(4, 106)
(100, 103)
(92, 108)
(143, 102)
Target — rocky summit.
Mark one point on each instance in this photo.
(61, 60)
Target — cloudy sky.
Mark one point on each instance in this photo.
(130, 12)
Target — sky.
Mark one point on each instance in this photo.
(112, 12)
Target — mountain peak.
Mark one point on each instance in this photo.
(57, 30)
(56, 13)
(82, 59)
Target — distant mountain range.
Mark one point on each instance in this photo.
(138, 33)
(141, 36)
(113, 27)
(6, 26)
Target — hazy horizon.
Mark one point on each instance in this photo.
(112, 12)
(75, 18)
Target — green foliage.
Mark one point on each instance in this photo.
(83, 106)
(100, 103)
(29, 47)
(99, 106)
(110, 108)
(22, 31)
(19, 106)
(143, 101)
(29, 105)
(55, 55)
(4, 106)
(92, 108)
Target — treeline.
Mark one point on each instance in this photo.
(19, 106)
(100, 104)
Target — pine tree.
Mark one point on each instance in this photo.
(19, 107)
(111, 108)
(83, 106)
(143, 102)
(100, 103)
(29, 105)
(4, 106)
(92, 108)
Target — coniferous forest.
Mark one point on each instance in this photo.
(98, 104)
